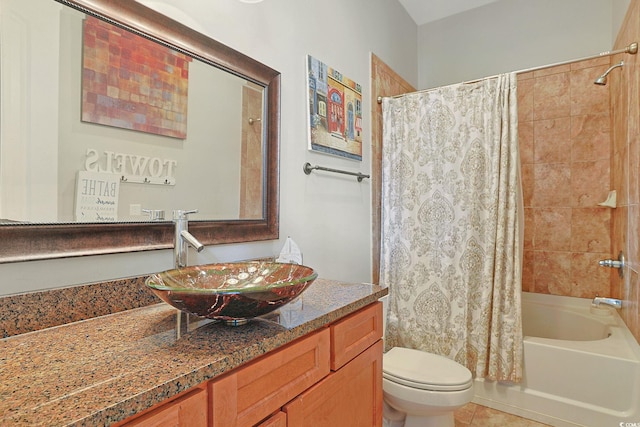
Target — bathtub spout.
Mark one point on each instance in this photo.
(608, 301)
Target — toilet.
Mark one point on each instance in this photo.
(422, 388)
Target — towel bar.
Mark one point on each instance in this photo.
(307, 168)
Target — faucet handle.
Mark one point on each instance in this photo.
(619, 263)
(180, 214)
(154, 214)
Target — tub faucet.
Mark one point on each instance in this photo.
(183, 238)
(609, 301)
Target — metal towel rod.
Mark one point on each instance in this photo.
(307, 168)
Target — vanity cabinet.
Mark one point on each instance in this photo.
(330, 377)
(351, 395)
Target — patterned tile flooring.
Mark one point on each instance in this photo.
(473, 415)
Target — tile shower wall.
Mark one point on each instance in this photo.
(384, 82)
(564, 133)
(625, 107)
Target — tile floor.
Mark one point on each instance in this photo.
(473, 415)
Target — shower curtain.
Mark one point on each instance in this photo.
(452, 214)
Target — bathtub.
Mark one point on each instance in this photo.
(581, 366)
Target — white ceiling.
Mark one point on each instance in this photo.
(423, 11)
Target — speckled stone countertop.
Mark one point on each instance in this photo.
(104, 369)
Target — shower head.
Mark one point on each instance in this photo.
(602, 80)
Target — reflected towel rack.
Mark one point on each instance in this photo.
(307, 168)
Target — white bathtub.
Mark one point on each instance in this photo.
(581, 366)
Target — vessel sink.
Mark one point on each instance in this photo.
(233, 292)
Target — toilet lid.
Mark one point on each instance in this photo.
(425, 371)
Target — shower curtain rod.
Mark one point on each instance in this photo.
(631, 49)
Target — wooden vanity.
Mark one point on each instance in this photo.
(331, 377)
(316, 362)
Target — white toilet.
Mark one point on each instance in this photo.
(423, 388)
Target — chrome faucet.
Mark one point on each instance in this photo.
(183, 238)
(616, 303)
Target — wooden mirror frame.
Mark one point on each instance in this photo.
(27, 242)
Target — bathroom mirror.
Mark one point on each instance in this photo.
(129, 163)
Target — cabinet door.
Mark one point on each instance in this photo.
(189, 410)
(253, 392)
(349, 397)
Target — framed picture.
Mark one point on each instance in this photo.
(133, 83)
(335, 111)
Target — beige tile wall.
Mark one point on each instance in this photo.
(564, 132)
(579, 140)
(625, 107)
(384, 82)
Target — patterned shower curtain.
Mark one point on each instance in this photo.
(452, 225)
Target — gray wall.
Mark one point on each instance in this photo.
(511, 35)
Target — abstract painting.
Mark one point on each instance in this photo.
(133, 83)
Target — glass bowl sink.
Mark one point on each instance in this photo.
(233, 292)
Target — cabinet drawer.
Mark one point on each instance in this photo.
(354, 334)
(253, 392)
(189, 410)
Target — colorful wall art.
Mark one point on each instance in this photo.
(133, 83)
(335, 111)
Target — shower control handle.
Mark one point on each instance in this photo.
(613, 263)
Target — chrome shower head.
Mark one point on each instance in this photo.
(602, 80)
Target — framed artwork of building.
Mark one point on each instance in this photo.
(335, 111)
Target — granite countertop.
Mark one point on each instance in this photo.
(104, 369)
